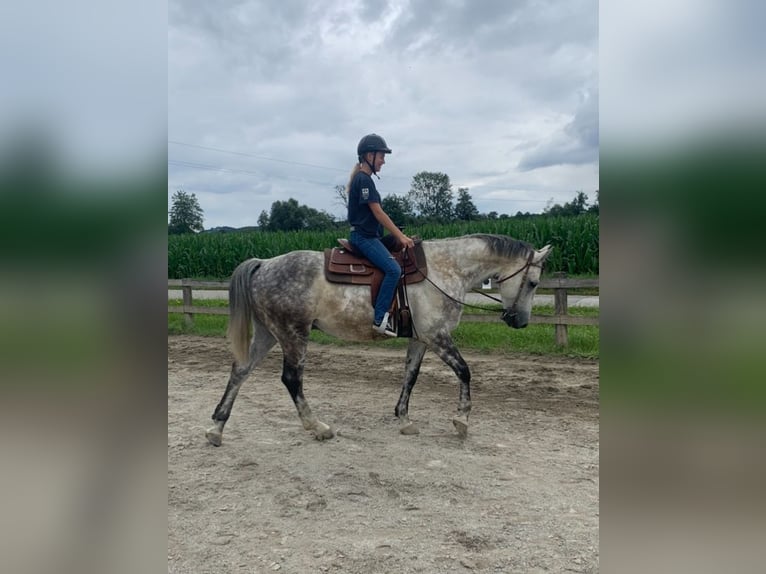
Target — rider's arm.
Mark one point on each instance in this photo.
(386, 222)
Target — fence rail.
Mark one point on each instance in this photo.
(560, 285)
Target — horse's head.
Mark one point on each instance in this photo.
(517, 289)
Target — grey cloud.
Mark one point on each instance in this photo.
(453, 86)
(577, 143)
(251, 35)
(480, 27)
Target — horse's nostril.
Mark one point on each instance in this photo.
(509, 317)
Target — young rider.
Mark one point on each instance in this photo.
(368, 219)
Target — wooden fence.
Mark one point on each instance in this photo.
(560, 285)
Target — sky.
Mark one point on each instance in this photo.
(268, 100)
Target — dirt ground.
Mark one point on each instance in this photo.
(519, 494)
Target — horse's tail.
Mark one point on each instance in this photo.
(241, 308)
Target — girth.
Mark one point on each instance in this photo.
(344, 266)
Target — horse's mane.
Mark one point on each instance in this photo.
(505, 246)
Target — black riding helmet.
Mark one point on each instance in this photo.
(374, 143)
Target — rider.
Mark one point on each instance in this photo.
(367, 220)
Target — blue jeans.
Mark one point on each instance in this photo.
(374, 250)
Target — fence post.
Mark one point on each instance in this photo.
(560, 308)
(186, 290)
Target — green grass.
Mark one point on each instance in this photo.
(201, 302)
(481, 337)
(574, 291)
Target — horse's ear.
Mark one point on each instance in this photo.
(542, 254)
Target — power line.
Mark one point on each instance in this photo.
(175, 142)
(195, 165)
(208, 167)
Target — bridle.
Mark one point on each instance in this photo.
(525, 269)
(506, 315)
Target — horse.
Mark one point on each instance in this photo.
(281, 299)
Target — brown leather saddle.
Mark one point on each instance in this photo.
(344, 265)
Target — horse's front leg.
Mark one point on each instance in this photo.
(447, 352)
(415, 353)
(292, 377)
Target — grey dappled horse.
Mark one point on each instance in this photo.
(279, 300)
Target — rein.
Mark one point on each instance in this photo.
(525, 269)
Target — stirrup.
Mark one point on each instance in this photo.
(386, 326)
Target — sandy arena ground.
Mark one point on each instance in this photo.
(519, 494)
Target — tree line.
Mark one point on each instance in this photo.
(430, 200)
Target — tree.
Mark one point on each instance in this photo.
(465, 208)
(314, 219)
(594, 208)
(263, 220)
(579, 203)
(340, 195)
(575, 207)
(186, 215)
(431, 195)
(398, 208)
(286, 216)
(291, 216)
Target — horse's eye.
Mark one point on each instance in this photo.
(533, 284)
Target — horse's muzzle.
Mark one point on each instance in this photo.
(513, 319)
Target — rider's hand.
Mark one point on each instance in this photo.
(405, 242)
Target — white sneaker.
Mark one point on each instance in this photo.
(386, 326)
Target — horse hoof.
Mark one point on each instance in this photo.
(214, 436)
(323, 432)
(461, 425)
(409, 429)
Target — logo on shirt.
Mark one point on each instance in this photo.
(365, 193)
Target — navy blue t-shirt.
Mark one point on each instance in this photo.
(360, 216)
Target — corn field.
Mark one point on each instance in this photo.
(215, 255)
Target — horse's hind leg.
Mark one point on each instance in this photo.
(292, 377)
(261, 344)
(445, 348)
(415, 352)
